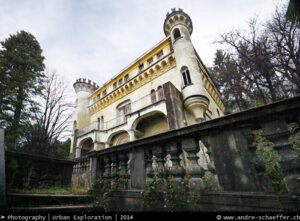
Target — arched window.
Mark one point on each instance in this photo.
(176, 33)
(102, 123)
(98, 124)
(153, 96)
(186, 76)
(160, 93)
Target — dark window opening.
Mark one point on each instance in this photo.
(126, 78)
(141, 67)
(176, 33)
(186, 77)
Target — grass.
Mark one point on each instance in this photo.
(50, 190)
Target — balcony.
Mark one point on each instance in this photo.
(135, 106)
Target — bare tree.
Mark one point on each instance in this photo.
(285, 41)
(51, 120)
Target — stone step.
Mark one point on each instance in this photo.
(58, 208)
(33, 200)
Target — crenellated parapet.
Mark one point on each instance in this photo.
(175, 17)
(83, 84)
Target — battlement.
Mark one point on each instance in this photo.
(84, 84)
(177, 16)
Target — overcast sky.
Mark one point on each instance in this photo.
(96, 39)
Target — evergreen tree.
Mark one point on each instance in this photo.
(21, 81)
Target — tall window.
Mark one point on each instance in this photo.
(186, 76)
(153, 96)
(98, 124)
(122, 110)
(102, 123)
(115, 85)
(104, 93)
(160, 93)
(176, 33)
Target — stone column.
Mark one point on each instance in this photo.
(191, 146)
(94, 163)
(2, 169)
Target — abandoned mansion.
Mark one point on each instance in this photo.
(166, 88)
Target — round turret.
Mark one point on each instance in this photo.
(177, 17)
(179, 26)
(83, 84)
(84, 89)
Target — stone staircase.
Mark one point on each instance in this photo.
(49, 202)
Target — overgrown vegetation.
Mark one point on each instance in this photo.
(50, 190)
(271, 159)
(294, 139)
(160, 194)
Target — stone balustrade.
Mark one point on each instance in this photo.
(229, 145)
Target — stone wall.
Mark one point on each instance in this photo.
(26, 170)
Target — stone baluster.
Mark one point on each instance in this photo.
(114, 171)
(128, 173)
(106, 174)
(159, 167)
(149, 168)
(122, 170)
(191, 147)
(176, 170)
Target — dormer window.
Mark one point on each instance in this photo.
(115, 85)
(126, 78)
(160, 54)
(104, 93)
(176, 33)
(150, 61)
(121, 81)
(186, 76)
(141, 67)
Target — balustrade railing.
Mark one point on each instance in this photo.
(229, 144)
(83, 165)
(135, 106)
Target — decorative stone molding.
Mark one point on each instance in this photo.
(197, 105)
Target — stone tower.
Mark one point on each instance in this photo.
(179, 26)
(83, 88)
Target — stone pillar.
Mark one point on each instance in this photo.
(191, 146)
(78, 152)
(94, 164)
(2, 169)
(137, 169)
(131, 135)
